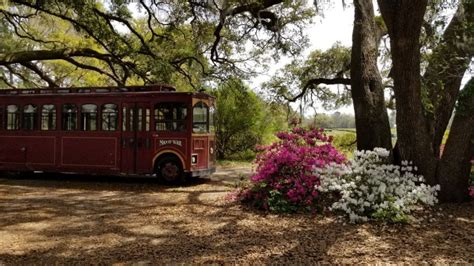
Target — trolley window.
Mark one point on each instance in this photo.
(48, 117)
(109, 117)
(200, 118)
(29, 117)
(143, 119)
(124, 118)
(170, 117)
(147, 119)
(69, 117)
(89, 117)
(140, 119)
(13, 117)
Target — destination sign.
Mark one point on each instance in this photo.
(164, 142)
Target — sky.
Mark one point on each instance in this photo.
(335, 26)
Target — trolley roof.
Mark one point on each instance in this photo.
(89, 90)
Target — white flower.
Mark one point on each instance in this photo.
(370, 198)
(353, 217)
(382, 152)
(368, 186)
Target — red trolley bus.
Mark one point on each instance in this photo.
(133, 130)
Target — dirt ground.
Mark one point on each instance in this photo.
(65, 219)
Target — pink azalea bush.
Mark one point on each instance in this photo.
(285, 180)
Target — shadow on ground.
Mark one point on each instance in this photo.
(89, 220)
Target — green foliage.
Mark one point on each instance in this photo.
(156, 60)
(149, 41)
(380, 23)
(278, 203)
(289, 81)
(243, 120)
(246, 155)
(345, 142)
(390, 214)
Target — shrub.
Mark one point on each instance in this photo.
(242, 156)
(345, 142)
(370, 189)
(285, 180)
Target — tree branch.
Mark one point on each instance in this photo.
(5, 80)
(88, 67)
(267, 18)
(28, 56)
(21, 76)
(109, 17)
(313, 83)
(16, 26)
(151, 15)
(39, 72)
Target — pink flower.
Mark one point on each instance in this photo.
(287, 166)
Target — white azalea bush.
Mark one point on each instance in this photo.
(368, 188)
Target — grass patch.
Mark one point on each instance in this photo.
(339, 131)
(345, 142)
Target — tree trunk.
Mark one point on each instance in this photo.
(455, 165)
(372, 125)
(404, 19)
(446, 68)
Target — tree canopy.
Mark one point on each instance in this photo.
(143, 42)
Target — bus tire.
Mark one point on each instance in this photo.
(170, 170)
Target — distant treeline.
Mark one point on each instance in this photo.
(340, 120)
(334, 120)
